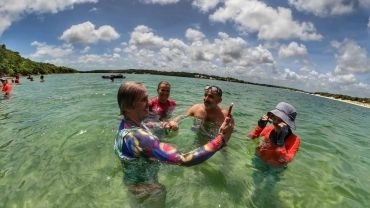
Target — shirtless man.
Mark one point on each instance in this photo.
(209, 110)
(208, 115)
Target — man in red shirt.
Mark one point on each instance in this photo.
(279, 144)
(6, 87)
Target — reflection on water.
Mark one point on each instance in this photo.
(206, 129)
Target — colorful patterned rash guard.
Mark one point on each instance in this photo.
(140, 152)
(160, 111)
(270, 152)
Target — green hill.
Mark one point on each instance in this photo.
(11, 63)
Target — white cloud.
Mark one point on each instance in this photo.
(43, 50)
(205, 5)
(194, 35)
(142, 36)
(351, 58)
(343, 79)
(86, 49)
(323, 8)
(229, 49)
(117, 50)
(310, 80)
(162, 2)
(258, 55)
(269, 23)
(94, 9)
(329, 7)
(292, 50)
(150, 50)
(66, 55)
(201, 51)
(13, 10)
(368, 24)
(291, 75)
(86, 33)
(97, 59)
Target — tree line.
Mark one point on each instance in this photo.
(11, 64)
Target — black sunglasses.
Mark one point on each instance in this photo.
(214, 89)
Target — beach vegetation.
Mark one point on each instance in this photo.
(12, 63)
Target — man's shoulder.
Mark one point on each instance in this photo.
(224, 110)
(196, 108)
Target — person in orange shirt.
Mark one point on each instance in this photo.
(6, 87)
(280, 144)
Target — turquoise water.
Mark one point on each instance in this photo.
(56, 148)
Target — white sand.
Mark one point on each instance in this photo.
(365, 105)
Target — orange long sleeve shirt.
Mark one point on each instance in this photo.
(272, 153)
(6, 88)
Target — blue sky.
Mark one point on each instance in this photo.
(310, 45)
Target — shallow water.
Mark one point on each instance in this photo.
(56, 148)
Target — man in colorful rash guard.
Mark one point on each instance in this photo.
(140, 151)
(279, 145)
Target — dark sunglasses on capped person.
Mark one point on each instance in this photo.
(214, 89)
(273, 118)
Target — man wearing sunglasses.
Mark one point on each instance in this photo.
(208, 115)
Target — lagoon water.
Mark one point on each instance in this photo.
(56, 148)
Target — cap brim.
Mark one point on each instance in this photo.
(283, 117)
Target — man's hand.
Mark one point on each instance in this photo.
(227, 128)
(171, 126)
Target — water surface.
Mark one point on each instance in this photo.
(56, 148)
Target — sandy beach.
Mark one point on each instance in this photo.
(365, 105)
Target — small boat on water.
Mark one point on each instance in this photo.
(113, 76)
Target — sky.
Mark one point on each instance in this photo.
(310, 45)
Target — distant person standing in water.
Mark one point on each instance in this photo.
(42, 78)
(161, 107)
(6, 87)
(30, 77)
(17, 80)
(141, 152)
(280, 144)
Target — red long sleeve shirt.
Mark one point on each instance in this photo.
(6, 88)
(270, 152)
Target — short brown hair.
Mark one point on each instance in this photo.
(128, 93)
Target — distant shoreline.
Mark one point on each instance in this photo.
(363, 102)
(365, 105)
